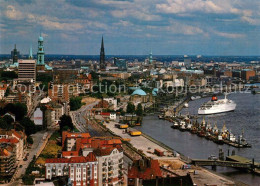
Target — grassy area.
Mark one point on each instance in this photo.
(51, 149)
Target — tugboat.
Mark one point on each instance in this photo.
(201, 133)
(231, 137)
(219, 140)
(208, 127)
(242, 141)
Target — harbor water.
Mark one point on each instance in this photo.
(245, 118)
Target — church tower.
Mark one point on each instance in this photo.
(151, 57)
(40, 53)
(30, 53)
(102, 55)
(15, 54)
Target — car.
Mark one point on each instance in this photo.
(25, 159)
(212, 157)
(20, 166)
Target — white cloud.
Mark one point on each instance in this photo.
(229, 35)
(180, 28)
(250, 20)
(185, 6)
(136, 13)
(13, 14)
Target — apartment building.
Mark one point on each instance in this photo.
(63, 91)
(108, 156)
(80, 170)
(16, 138)
(7, 161)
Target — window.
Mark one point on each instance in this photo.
(49, 170)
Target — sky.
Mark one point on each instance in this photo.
(132, 27)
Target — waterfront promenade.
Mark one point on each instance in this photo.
(146, 145)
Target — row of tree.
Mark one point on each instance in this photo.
(131, 109)
(75, 103)
(20, 112)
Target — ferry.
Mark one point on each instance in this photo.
(215, 106)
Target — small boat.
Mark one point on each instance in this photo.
(175, 125)
(219, 140)
(256, 91)
(189, 127)
(201, 133)
(182, 126)
(195, 97)
(186, 105)
(160, 116)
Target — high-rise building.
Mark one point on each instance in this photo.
(120, 63)
(40, 53)
(247, 73)
(27, 70)
(102, 55)
(187, 61)
(15, 54)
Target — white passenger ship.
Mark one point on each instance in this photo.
(215, 106)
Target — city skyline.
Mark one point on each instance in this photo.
(132, 27)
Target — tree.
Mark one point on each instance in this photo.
(20, 111)
(130, 108)
(6, 75)
(4, 124)
(139, 110)
(29, 140)
(7, 92)
(75, 103)
(8, 119)
(94, 75)
(29, 126)
(65, 123)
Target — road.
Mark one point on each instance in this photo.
(38, 142)
(79, 121)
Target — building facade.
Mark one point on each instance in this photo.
(27, 70)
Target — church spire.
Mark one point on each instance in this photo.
(102, 44)
(30, 53)
(102, 55)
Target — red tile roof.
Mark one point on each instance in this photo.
(105, 113)
(144, 171)
(17, 134)
(10, 140)
(70, 153)
(90, 158)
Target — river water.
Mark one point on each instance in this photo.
(246, 117)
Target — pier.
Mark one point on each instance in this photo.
(231, 161)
